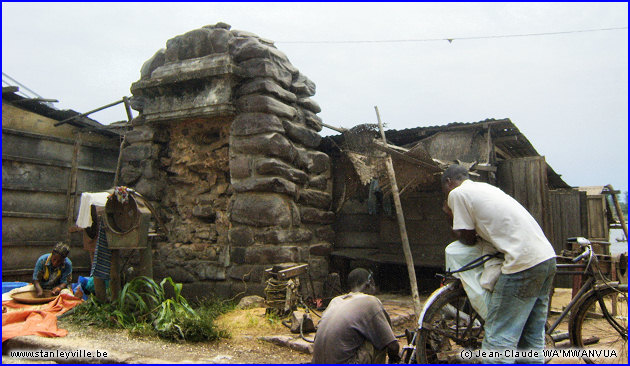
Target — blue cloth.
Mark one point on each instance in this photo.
(517, 312)
(53, 279)
(86, 284)
(102, 255)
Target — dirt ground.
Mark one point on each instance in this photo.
(245, 326)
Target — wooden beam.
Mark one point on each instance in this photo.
(55, 163)
(6, 187)
(401, 224)
(57, 139)
(32, 215)
(72, 185)
(379, 145)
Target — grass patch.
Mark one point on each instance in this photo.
(143, 308)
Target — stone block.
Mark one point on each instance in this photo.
(266, 87)
(270, 254)
(219, 25)
(204, 212)
(140, 151)
(264, 104)
(303, 86)
(260, 210)
(198, 291)
(265, 184)
(313, 198)
(245, 48)
(247, 272)
(193, 44)
(246, 124)
(241, 236)
(273, 144)
(312, 120)
(129, 174)
(207, 270)
(265, 68)
(311, 215)
(153, 63)
(319, 182)
(239, 166)
(220, 39)
(244, 34)
(278, 236)
(275, 167)
(151, 170)
(309, 104)
(179, 274)
(320, 162)
(320, 249)
(237, 255)
(150, 188)
(302, 135)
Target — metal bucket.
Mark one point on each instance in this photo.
(126, 224)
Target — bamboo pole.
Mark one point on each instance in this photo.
(401, 224)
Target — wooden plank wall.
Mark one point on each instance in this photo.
(567, 222)
(36, 194)
(525, 179)
(597, 220)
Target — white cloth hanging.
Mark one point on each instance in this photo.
(84, 219)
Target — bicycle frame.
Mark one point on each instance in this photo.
(589, 285)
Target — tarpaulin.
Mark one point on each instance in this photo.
(24, 319)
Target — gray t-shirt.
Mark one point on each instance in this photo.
(348, 321)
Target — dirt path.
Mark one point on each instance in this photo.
(244, 346)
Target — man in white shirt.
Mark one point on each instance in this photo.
(517, 310)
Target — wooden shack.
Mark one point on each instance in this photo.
(366, 226)
(44, 171)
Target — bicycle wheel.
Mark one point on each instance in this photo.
(450, 326)
(591, 330)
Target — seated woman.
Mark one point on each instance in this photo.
(53, 270)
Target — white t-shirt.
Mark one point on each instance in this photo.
(502, 221)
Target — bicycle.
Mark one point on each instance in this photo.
(448, 324)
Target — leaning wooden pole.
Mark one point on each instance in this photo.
(401, 223)
(622, 220)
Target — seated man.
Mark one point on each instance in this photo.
(53, 270)
(355, 328)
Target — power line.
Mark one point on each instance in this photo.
(457, 38)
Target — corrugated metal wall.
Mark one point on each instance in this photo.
(39, 199)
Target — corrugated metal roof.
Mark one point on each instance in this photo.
(41, 108)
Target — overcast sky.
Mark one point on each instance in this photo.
(568, 93)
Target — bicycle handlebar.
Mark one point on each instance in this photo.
(586, 252)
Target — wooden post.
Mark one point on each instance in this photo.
(622, 220)
(114, 274)
(401, 224)
(71, 194)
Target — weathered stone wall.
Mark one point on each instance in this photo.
(226, 145)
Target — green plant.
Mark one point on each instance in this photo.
(143, 307)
